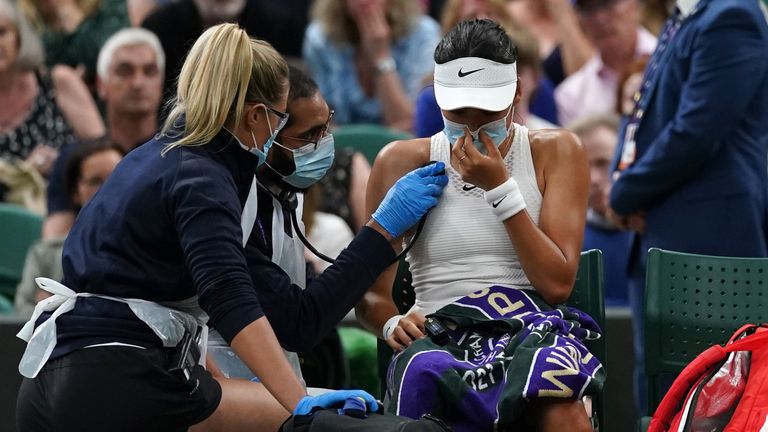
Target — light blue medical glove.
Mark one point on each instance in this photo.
(332, 399)
(410, 198)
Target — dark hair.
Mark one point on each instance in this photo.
(482, 38)
(81, 152)
(302, 85)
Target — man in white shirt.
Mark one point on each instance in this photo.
(614, 28)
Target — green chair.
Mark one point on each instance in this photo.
(588, 295)
(6, 306)
(368, 139)
(18, 230)
(693, 302)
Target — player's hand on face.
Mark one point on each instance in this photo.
(408, 329)
(485, 171)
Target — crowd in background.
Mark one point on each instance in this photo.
(83, 82)
(71, 72)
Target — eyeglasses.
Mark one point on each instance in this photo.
(312, 142)
(283, 116)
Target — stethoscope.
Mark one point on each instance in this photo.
(290, 202)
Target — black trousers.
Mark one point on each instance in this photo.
(114, 388)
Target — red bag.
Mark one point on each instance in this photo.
(724, 389)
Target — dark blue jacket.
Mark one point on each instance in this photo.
(702, 144)
(166, 228)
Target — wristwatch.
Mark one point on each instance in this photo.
(385, 65)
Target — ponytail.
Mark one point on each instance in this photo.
(224, 69)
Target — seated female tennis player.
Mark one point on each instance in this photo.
(496, 257)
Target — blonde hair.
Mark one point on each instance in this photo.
(341, 29)
(37, 19)
(30, 54)
(224, 69)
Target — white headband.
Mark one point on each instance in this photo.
(475, 82)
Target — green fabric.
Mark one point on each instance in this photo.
(587, 295)
(18, 230)
(360, 350)
(507, 347)
(81, 47)
(368, 139)
(43, 260)
(5, 305)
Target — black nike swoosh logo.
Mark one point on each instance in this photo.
(462, 74)
(496, 204)
(468, 187)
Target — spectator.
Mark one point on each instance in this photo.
(598, 135)
(131, 69)
(369, 58)
(692, 158)
(327, 232)
(629, 86)
(653, 14)
(87, 168)
(140, 9)
(343, 188)
(456, 11)
(73, 31)
(178, 24)
(529, 79)
(614, 28)
(564, 48)
(131, 65)
(41, 111)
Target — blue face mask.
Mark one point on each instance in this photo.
(312, 161)
(496, 130)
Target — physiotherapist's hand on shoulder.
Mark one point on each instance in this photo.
(410, 198)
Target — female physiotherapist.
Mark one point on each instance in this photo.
(161, 245)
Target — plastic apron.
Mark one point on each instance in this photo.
(169, 322)
(288, 253)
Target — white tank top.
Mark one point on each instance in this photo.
(463, 247)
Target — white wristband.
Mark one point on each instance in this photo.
(505, 200)
(390, 326)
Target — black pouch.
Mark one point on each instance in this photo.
(184, 356)
(437, 331)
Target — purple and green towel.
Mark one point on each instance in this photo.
(508, 347)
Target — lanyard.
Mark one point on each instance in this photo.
(642, 97)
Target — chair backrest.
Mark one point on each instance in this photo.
(368, 139)
(18, 230)
(588, 295)
(6, 307)
(693, 302)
